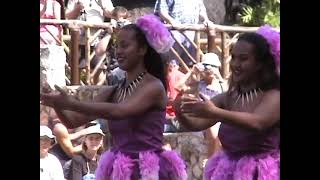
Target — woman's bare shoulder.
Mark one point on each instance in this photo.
(154, 90)
(154, 84)
(220, 100)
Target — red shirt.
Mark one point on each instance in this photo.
(173, 79)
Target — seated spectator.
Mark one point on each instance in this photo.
(68, 144)
(66, 147)
(119, 19)
(210, 85)
(174, 77)
(50, 167)
(83, 166)
(204, 77)
(211, 82)
(76, 137)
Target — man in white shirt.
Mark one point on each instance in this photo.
(93, 11)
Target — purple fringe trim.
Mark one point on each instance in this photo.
(114, 167)
(177, 164)
(104, 170)
(122, 167)
(221, 167)
(149, 166)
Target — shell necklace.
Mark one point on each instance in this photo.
(125, 91)
(248, 95)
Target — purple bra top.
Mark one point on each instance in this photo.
(140, 133)
(237, 140)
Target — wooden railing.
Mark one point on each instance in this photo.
(73, 53)
(219, 39)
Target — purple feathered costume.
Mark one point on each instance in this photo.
(137, 151)
(247, 155)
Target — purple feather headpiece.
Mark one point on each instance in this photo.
(157, 35)
(273, 38)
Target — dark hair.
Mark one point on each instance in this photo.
(120, 11)
(152, 60)
(267, 74)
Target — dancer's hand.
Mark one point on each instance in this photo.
(196, 107)
(60, 100)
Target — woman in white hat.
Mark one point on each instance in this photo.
(50, 167)
(210, 85)
(211, 82)
(83, 166)
(205, 75)
(205, 78)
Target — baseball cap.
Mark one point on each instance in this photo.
(94, 130)
(45, 131)
(92, 123)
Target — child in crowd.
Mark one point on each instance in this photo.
(83, 166)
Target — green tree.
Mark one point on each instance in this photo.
(268, 12)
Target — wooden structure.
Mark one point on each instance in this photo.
(72, 38)
(219, 39)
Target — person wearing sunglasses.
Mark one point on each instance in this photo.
(211, 84)
(205, 78)
(211, 81)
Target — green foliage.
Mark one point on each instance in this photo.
(247, 14)
(268, 12)
(83, 76)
